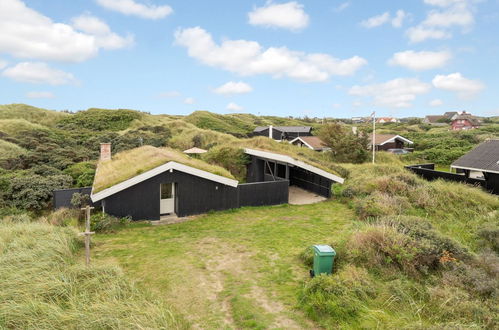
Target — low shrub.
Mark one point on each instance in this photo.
(338, 300)
(101, 222)
(63, 217)
(489, 236)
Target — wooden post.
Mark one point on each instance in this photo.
(87, 233)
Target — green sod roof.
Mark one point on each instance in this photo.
(128, 164)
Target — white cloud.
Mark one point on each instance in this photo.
(384, 18)
(189, 100)
(336, 105)
(234, 107)
(40, 95)
(3, 64)
(376, 21)
(104, 37)
(455, 82)
(38, 73)
(170, 94)
(436, 103)
(233, 88)
(418, 61)
(288, 15)
(420, 33)
(399, 18)
(26, 33)
(439, 21)
(459, 14)
(396, 93)
(342, 6)
(131, 7)
(249, 58)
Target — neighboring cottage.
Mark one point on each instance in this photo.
(465, 122)
(483, 159)
(447, 117)
(279, 133)
(389, 141)
(311, 142)
(383, 120)
(147, 182)
(436, 120)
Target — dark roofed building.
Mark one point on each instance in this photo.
(389, 141)
(435, 119)
(311, 142)
(483, 158)
(282, 132)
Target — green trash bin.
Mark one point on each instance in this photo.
(323, 260)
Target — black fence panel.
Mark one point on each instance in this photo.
(426, 171)
(263, 193)
(62, 198)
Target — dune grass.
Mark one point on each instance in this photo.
(130, 163)
(10, 150)
(15, 126)
(31, 114)
(44, 285)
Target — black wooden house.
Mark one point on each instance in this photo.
(179, 189)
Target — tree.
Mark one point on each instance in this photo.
(346, 147)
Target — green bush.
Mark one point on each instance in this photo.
(34, 192)
(339, 300)
(100, 120)
(232, 158)
(82, 173)
(101, 222)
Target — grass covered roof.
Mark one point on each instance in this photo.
(127, 164)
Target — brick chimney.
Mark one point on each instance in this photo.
(105, 151)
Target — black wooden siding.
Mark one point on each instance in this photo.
(264, 193)
(256, 172)
(194, 195)
(62, 197)
(278, 134)
(491, 182)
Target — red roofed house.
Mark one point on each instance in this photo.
(383, 120)
(311, 142)
(464, 122)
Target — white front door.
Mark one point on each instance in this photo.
(167, 198)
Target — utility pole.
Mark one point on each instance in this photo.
(87, 233)
(374, 134)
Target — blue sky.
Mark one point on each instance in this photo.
(315, 58)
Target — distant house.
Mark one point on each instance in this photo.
(484, 159)
(465, 122)
(389, 141)
(282, 132)
(451, 115)
(311, 142)
(383, 120)
(359, 120)
(435, 119)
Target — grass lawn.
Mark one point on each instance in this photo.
(230, 269)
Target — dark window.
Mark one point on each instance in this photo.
(271, 170)
(166, 191)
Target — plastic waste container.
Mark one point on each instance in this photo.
(323, 260)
